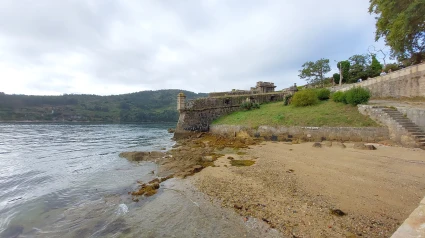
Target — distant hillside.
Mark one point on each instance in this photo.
(145, 106)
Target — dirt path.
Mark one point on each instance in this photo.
(298, 189)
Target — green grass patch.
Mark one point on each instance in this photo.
(325, 113)
(241, 163)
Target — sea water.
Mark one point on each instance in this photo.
(67, 180)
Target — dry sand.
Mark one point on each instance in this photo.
(295, 187)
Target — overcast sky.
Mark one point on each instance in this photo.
(111, 47)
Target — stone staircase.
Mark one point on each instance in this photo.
(414, 131)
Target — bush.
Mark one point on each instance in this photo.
(357, 95)
(247, 105)
(323, 94)
(393, 67)
(287, 100)
(338, 97)
(305, 97)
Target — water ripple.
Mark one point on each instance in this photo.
(48, 168)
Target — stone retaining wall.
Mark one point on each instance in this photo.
(355, 134)
(416, 115)
(198, 114)
(407, 82)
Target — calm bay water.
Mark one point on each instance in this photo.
(51, 167)
(67, 180)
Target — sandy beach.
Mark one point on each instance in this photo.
(320, 192)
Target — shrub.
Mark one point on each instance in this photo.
(323, 94)
(357, 95)
(393, 67)
(287, 100)
(338, 97)
(305, 97)
(247, 105)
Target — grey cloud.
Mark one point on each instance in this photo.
(197, 45)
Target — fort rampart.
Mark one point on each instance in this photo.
(197, 115)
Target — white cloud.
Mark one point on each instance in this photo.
(111, 47)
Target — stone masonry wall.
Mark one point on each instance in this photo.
(416, 115)
(396, 132)
(198, 114)
(407, 82)
(355, 134)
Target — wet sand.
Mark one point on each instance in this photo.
(320, 192)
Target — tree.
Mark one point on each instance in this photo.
(376, 51)
(402, 24)
(359, 65)
(345, 64)
(375, 67)
(314, 72)
(336, 78)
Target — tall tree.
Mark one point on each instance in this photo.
(359, 65)
(344, 67)
(314, 72)
(402, 24)
(375, 67)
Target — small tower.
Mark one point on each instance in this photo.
(181, 98)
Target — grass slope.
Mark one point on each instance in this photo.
(326, 113)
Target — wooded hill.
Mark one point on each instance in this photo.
(145, 106)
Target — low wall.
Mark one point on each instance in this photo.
(414, 225)
(198, 114)
(407, 82)
(396, 132)
(355, 134)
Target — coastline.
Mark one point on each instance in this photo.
(304, 191)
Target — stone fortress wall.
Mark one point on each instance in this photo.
(407, 82)
(197, 115)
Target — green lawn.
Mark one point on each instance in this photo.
(327, 113)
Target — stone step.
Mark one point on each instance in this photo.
(393, 112)
(409, 126)
(413, 130)
(404, 120)
(412, 127)
(418, 134)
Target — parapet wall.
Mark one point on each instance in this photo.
(198, 114)
(281, 133)
(407, 82)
